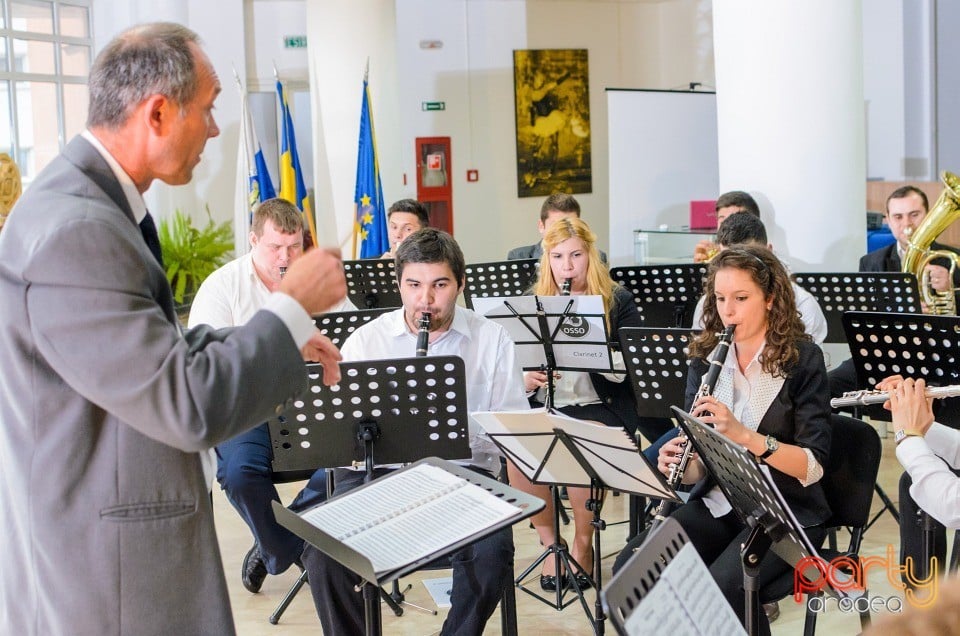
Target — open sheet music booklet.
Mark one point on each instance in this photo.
(409, 515)
(685, 600)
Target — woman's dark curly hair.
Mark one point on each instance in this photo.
(784, 326)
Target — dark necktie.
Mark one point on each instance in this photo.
(151, 237)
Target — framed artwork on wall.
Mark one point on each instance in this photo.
(552, 100)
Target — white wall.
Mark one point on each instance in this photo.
(883, 88)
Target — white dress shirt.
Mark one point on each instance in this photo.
(935, 488)
(493, 377)
(232, 294)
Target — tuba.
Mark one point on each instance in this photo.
(944, 212)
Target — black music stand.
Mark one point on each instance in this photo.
(372, 283)
(657, 364)
(759, 504)
(838, 292)
(502, 278)
(404, 409)
(688, 602)
(553, 449)
(358, 562)
(338, 325)
(666, 295)
(914, 346)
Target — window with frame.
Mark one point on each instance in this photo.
(46, 49)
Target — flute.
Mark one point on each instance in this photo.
(866, 397)
(423, 334)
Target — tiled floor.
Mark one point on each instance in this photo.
(251, 610)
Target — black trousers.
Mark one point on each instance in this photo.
(718, 542)
(911, 536)
(479, 571)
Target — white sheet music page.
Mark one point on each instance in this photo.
(685, 600)
(409, 515)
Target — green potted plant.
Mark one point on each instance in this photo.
(191, 254)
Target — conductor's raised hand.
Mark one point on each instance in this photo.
(316, 280)
(321, 349)
(710, 410)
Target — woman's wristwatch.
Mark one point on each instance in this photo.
(772, 445)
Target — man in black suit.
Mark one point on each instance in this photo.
(907, 207)
(557, 206)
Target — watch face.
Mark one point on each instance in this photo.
(772, 443)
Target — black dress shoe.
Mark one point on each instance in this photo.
(583, 582)
(253, 571)
(548, 582)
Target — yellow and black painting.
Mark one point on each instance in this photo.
(553, 121)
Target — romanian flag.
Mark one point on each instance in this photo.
(371, 217)
(292, 187)
(253, 180)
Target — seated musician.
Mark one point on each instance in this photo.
(727, 205)
(430, 272)
(930, 455)
(404, 217)
(229, 297)
(570, 252)
(770, 397)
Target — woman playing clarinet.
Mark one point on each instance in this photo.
(771, 398)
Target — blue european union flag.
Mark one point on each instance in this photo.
(371, 219)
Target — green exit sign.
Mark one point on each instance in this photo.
(433, 105)
(294, 41)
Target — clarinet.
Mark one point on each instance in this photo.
(283, 272)
(565, 288)
(707, 385)
(423, 334)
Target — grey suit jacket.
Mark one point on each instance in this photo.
(105, 521)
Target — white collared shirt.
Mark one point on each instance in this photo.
(935, 488)
(134, 197)
(231, 296)
(493, 377)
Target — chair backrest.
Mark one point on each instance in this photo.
(850, 475)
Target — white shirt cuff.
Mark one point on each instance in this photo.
(293, 315)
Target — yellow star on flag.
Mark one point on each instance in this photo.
(367, 218)
(365, 200)
(363, 235)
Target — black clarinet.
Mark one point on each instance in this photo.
(707, 385)
(423, 334)
(565, 288)
(283, 272)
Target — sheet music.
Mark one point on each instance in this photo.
(409, 515)
(525, 437)
(684, 601)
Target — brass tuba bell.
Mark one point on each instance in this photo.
(943, 213)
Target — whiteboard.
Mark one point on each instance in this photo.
(663, 154)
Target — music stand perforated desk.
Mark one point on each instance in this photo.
(372, 283)
(839, 292)
(657, 364)
(665, 295)
(338, 325)
(501, 278)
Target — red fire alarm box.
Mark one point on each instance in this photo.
(433, 180)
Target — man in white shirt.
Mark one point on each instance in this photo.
(745, 229)
(229, 297)
(431, 273)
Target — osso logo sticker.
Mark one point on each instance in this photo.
(575, 327)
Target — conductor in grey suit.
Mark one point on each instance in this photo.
(105, 520)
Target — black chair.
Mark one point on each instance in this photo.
(848, 480)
